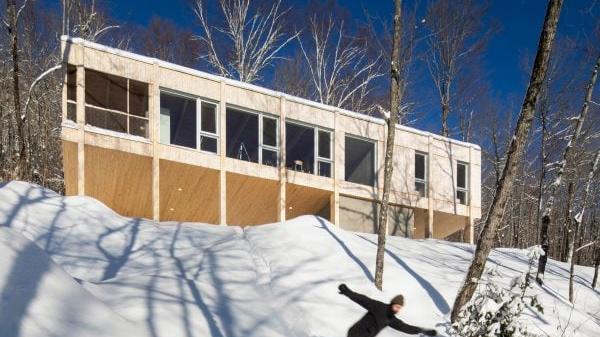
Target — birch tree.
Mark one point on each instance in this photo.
(454, 38)
(578, 218)
(566, 160)
(341, 71)
(389, 144)
(243, 44)
(514, 156)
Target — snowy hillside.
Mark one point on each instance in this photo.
(92, 272)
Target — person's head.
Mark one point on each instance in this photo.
(397, 303)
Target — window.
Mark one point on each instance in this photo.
(177, 120)
(208, 127)
(116, 103)
(421, 173)
(360, 161)
(269, 141)
(308, 149)
(462, 183)
(252, 137)
(324, 157)
(71, 92)
(299, 147)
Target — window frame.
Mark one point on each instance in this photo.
(318, 158)
(199, 132)
(261, 146)
(71, 102)
(464, 189)
(127, 114)
(375, 158)
(425, 180)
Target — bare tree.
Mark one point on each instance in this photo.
(514, 155)
(578, 218)
(254, 41)
(164, 40)
(395, 91)
(341, 71)
(566, 160)
(455, 37)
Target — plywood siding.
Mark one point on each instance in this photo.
(188, 193)
(121, 180)
(301, 200)
(70, 167)
(250, 200)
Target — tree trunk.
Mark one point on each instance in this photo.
(568, 226)
(389, 145)
(547, 217)
(445, 110)
(513, 158)
(596, 265)
(20, 160)
(579, 218)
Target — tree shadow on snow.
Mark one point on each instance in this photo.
(438, 299)
(362, 266)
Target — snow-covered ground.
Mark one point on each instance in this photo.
(69, 266)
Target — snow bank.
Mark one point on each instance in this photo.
(184, 279)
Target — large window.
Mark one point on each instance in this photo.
(299, 147)
(421, 173)
(308, 149)
(462, 183)
(360, 161)
(71, 92)
(179, 122)
(116, 103)
(252, 137)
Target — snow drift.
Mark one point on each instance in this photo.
(69, 266)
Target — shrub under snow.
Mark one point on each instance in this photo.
(495, 311)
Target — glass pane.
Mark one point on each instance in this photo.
(208, 144)
(72, 111)
(177, 120)
(138, 126)
(138, 98)
(421, 188)
(269, 157)
(71, 82)
(300, 147)
(105, 91)
(461, 175)
(419, 166)
(242, 135)
(324, 144)
(360, 161)
(105, 119)
(269, 131)
(324, 169)
(462, 197)
(208, 120)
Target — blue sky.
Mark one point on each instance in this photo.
(520, 22)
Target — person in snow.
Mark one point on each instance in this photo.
(379, 316)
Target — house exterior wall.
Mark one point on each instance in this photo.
(432, 210)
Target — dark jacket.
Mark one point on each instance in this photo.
(379, 316)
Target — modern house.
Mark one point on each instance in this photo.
(157, 140)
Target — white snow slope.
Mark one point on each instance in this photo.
(69, 266)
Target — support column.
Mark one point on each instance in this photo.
(154, 134)
(470, 228)
(338, 168)
(282, 157)
(430, 203)
(222, 156)
(80, 118)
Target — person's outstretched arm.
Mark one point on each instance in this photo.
(360, 299)
(399, 325)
